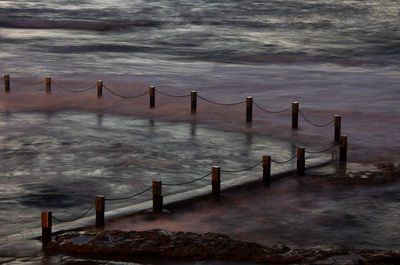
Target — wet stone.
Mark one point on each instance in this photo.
(207, 246)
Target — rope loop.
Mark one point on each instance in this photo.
(241, 170)
(128, 197)
(122, 96)
(173, 96)
(75, 89)
(28, 84)
(270, 111)
(188, 182)
(323, 150)
(222, 104)
(60, 220)
(315, 124)
(286, 161)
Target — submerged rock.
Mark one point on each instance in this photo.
(207, 246)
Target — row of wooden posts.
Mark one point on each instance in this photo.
(215, 189)
(193, 104)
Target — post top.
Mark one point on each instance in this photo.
(295, 102)
(99, 196)
(194, 91)
(216, 167)
(100, 81)
(249, 97)
(338, 116)
(152, 87)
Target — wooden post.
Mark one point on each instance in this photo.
(295, 115)
(338, 121)
(301, 162)
(46, 228)
(157, 197)
(48, 84)
(152, 94)
(216, 183)
(193, 102)
(7, 83)
(266, 171)
(99, 88)
(249, 109)
(100, 207)
(343, 148)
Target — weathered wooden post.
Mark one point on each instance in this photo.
(301, 161)
(216, 183)
(193, 102)
(46, 228)
(266, 171)
(48, 84)
(249, 109)
(338, 121)
(152, 94)
(157, 197)
(100, 208)
(343, 148)
(7, 83)
(99, 88)
(295, 115)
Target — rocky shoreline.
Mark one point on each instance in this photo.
(115, 244)
(206, 246)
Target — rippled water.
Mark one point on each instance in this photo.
(333, 56)
(302, 213)
(124, 36)
(60, 161)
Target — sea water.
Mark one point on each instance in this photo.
(334, 57)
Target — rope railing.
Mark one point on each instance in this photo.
(28, 84)
(284, 162)
(323, 150)
(215, 187)
(123, 96)
(241, 170)
(188, 182)
(170, 95)
(74, 89)
(193, 96)
(222, 104)
(270, 111)
(315, 124)
(128, 197)
(61, 220)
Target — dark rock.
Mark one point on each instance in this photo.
(207, 246)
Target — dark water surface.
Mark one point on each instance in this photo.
(299, 212)
(60, 161)
(116, 36)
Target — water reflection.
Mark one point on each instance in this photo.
(60, 160)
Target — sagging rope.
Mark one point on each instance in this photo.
(28, 84)
(322, 151)
(74, 219)
(269, 111)
(173, 96)
(74, 90)
(222, 104)
(122, 96)
(187, 182)
(286, 161)
(241, 170)
(314, 124)
(128, 197)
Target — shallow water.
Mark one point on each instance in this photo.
(60, 161)
(300, 212)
